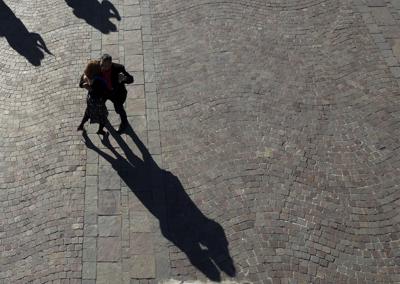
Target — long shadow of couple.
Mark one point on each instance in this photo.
(200, 238)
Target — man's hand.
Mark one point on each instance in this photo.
(121, 78)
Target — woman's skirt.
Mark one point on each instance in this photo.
(97, 111)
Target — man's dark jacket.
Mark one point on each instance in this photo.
(119, 90)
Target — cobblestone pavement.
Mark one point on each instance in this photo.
(263, 146)
(42, 161)
(280, 119)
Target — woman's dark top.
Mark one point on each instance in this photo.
(99, 90)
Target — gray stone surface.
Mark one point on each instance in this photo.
(141, 243)
(376, 3)
(396, 48)
(109, 202)
(89, 270)
(110, 226)
(396, 4)
(142, 267)
(134, 62)
(108, 178)
(109, 273)
(109, 249)
(272, 131)
(383, 16)
(140, 222)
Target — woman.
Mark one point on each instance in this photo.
(96, 110)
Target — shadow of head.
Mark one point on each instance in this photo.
(30, 45)
(96, 14)
(203, 240)
(181, 222)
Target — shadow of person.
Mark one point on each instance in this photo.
(96, 14)
(30, 45)
(181, 222)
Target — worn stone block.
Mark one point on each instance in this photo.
(108, 178)
(132, 23)
(110, 39)
(88, 270)
(135, 91)
(139, 78)
(395, 71)
(142, 266)
(109, 273)
(134, 62)
(152, 119)
(383, 16)
(396, 48)
(136, 106)
(141, 243)
(91, 169)
(151, 100)
(109, 203)
(108, 249)
(376, 3)
(109, 226)
(89, 254)
(140, 222)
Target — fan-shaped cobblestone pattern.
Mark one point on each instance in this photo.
(280, 118)
(41, 156)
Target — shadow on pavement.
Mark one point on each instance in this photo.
(201, 239)
(96, 14)
(30, 45)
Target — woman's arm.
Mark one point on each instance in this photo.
(84, 82)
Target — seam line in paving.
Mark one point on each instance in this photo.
(109, 253)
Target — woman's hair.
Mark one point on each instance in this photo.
(92, 69)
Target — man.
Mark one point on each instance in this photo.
(116, 77)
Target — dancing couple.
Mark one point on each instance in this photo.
(104, 80)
